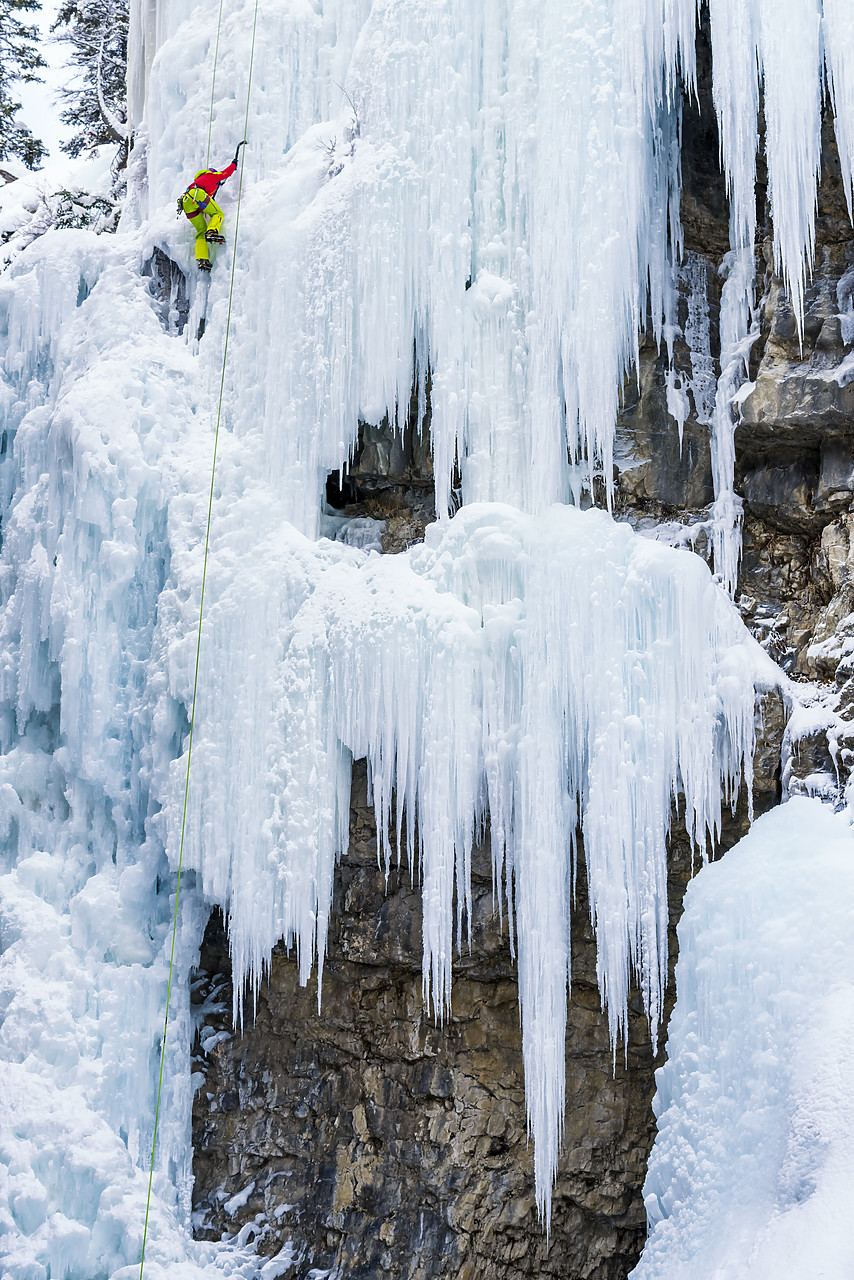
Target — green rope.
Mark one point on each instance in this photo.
(199, 639)
(213, 83)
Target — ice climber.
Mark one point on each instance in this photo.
(199, 205)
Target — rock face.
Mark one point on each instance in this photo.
(795, 448)
(367, 1142)
(379, 1144)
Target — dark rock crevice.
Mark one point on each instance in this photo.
(168, 287)
(390, 477)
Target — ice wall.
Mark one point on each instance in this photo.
(749, 1176)
(95, 402)
(488, 190)
(518, 666)
(499, 216)
(473, 146)
(540, 671)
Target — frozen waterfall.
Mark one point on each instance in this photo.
(481, 192)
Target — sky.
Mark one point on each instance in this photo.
(40, 110)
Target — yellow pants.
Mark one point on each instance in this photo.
(212, 212)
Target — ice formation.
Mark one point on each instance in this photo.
(488, 192)
(751, 1169)
(463, 673)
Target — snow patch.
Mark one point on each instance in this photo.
(749, 1177)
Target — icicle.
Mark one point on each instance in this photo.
(749, 41)
(554, 665)
(838, 31)
(739, 330)
(791, 49)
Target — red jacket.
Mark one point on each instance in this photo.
(209, 179)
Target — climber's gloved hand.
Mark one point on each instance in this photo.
(237, 152)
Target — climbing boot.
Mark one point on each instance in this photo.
(213, 237)
(204, 265)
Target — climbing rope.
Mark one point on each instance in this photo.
(201, 609)
(213, 84)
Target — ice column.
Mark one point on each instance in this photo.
(738, 332)
(839, 61)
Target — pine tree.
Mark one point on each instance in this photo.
(97, 32)
(20, 62)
